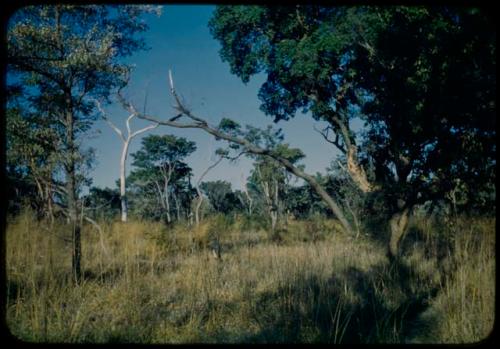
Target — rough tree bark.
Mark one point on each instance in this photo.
(71, 196)
(398, 222)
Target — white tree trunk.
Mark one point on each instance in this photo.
(198, 205)
(276, 201)
(274, 219)
(167, 202)
(177, 207)
(126, 142)
(123, 194)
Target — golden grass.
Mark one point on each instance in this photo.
(145, 283)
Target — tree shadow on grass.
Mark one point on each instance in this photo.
(355, 306)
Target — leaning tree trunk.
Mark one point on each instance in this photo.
(398, 224)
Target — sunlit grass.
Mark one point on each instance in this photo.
(146, 283)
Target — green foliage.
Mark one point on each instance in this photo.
(31, 156)
(422, 80)
(56, 48)
(103, 204)
(60, 58)
(221, 196)
(161, 175)
(157, 150)
(229, 126)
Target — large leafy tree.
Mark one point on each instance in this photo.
(64, 55)
(422, 79)
(160, 167)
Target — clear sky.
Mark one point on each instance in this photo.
(180, 40)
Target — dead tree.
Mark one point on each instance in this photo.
(126, 143)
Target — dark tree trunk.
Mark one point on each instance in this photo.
(71, 193)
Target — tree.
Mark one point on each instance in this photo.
(271, 177)
(126, 142)
(159, 162)
(221, 196)
(248, 201)
(199, 200)
(31, 160)
(230, 131)
(222, 154)
(422, 80)
(67, 54)
(104, 203)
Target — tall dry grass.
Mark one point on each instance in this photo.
(145, 283)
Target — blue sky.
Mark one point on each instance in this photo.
(180, 40)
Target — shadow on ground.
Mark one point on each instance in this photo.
(374, 306)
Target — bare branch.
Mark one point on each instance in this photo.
(180, 107)
(104, 116)
(150, 127)
(176, 117)
(126, 105)
(342, 166)
(249, 147)
(127, 123)
(145, 98)
(208, 169)
(234, 158)
(335, 142)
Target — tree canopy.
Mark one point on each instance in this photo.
(422, 79)
(162, 174)
(60, 58)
